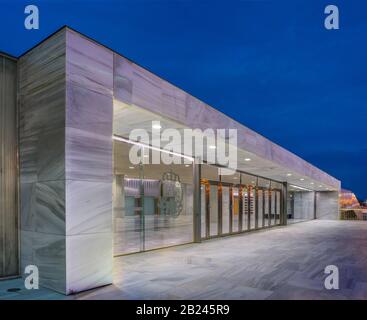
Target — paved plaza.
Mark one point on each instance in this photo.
(281, 263)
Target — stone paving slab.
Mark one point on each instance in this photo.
(281, 263)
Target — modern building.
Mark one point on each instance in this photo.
(71, 199)
(350, 208)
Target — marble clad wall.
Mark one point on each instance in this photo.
(304, 205)
(42, 160)
(88, 169)
(66, 162)
(327, 205)
(9, 265)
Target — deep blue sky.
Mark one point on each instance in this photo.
(269, 64)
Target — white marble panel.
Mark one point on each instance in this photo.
(26, 252)
(88, 64)
(147, 90)
(42, 155)
(122, 79)
(88, 110)
(88, 207)
(27, 213)
(89, 261)
(49, 256)
(327, 205)
(43, 207)
(49, 207)
(88, 155)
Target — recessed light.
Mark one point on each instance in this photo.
(302, 179)
(320, 186)
(212, 147)
(156, 126)
(312, 183)
(131, 167)
(247, 159)
(289, 174)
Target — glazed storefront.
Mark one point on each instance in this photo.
(153, 204)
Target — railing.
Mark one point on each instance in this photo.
(353, 214)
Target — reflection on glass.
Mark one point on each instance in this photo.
(168, 212)
(252, 208)
(267, 207)
(203, 211)
(245, 212)
(225, 209)
(235, 209)
(213, 210)
(260, 199)
(153, 204)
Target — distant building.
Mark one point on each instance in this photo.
(350, 207)
(348, 200)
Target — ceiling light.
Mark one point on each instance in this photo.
(131, 167)
(312, 183)
(302, 179)
(187, 165)
(212, 147)
(320, 186)
(289, 174)
(156, 126)
(299, 188)
(247, 159)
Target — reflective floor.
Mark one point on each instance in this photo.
(280, 263)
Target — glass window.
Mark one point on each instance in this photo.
(170, 222)
(210, 221)
(127, 202)
(225, 210)
(235, 209)
(260, 213)
(213, 210)
(153, 203)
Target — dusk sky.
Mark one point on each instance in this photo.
(271, 65)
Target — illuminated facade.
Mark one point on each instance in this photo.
(81, 200)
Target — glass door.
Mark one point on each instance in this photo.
(235, 209)
(128, 213)
(214, 214)
(225, 209)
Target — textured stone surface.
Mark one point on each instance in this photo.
(88, 163)
(9, 223)
(42, 160)
(66, 109)
(327, 205)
